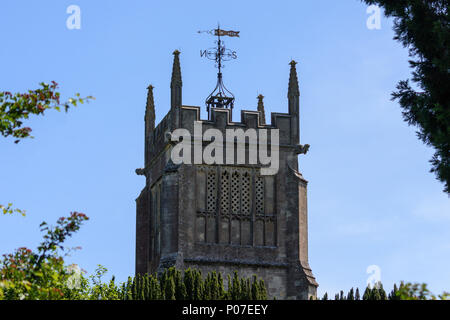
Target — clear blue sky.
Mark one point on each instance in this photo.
(371, 197)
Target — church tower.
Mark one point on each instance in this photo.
(221, 216)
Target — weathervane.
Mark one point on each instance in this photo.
(220, 97)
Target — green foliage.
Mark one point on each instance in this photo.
(10, 210)
(350, 295)
(423, 27)
(14, 108)
(406, 291)
(357, 296)
(418, 291)
(235, 292)
(71, 284)
(173, 285)
(25, 274)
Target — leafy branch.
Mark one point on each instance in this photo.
(10, 210)
(14, 108)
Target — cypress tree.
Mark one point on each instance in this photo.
(229, 289)
(169, 293)
(325, 296)
(128, 289)
(350, 295)
(376, 294)
(372, 293)
(122, 295)
(366, 295)
(357, 296)
(134, 289)
(155, 289)
(235, 287)
(255, 288)
(243, 295)
(180, 288)
(393, 294)
(262, 290)
(198, 285)
(214, 291)
(165, 286)
(141, 293)
(146, 287)
(207, 287)
(189, 284)
(162, 284)
(221, 290)
(382, 292)
(247, 289)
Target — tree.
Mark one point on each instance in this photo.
(25, 274)
(382, 291)
(418, 291)
(393, 294)
(375, 294)
(366, 295)
(235, 287)
(14, 108)
(262, 290)
(423, 27)
(350, 295)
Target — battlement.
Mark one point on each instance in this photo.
(189, 118)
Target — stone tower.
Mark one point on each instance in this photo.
(225, 217)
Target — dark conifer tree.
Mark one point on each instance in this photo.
(423, 27)
(255, 288)
(198, 285)
(367, 292)
(382, 292)
(189, 284)
(262, 290)
(350, 295)
(221, 290)
(235, 287)
(375, 294)
(357, 296)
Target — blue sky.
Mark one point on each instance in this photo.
(371, 198)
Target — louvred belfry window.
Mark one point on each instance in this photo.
(235, 206)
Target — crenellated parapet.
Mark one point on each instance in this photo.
(221, 119)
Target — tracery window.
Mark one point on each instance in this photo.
(235, 206)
